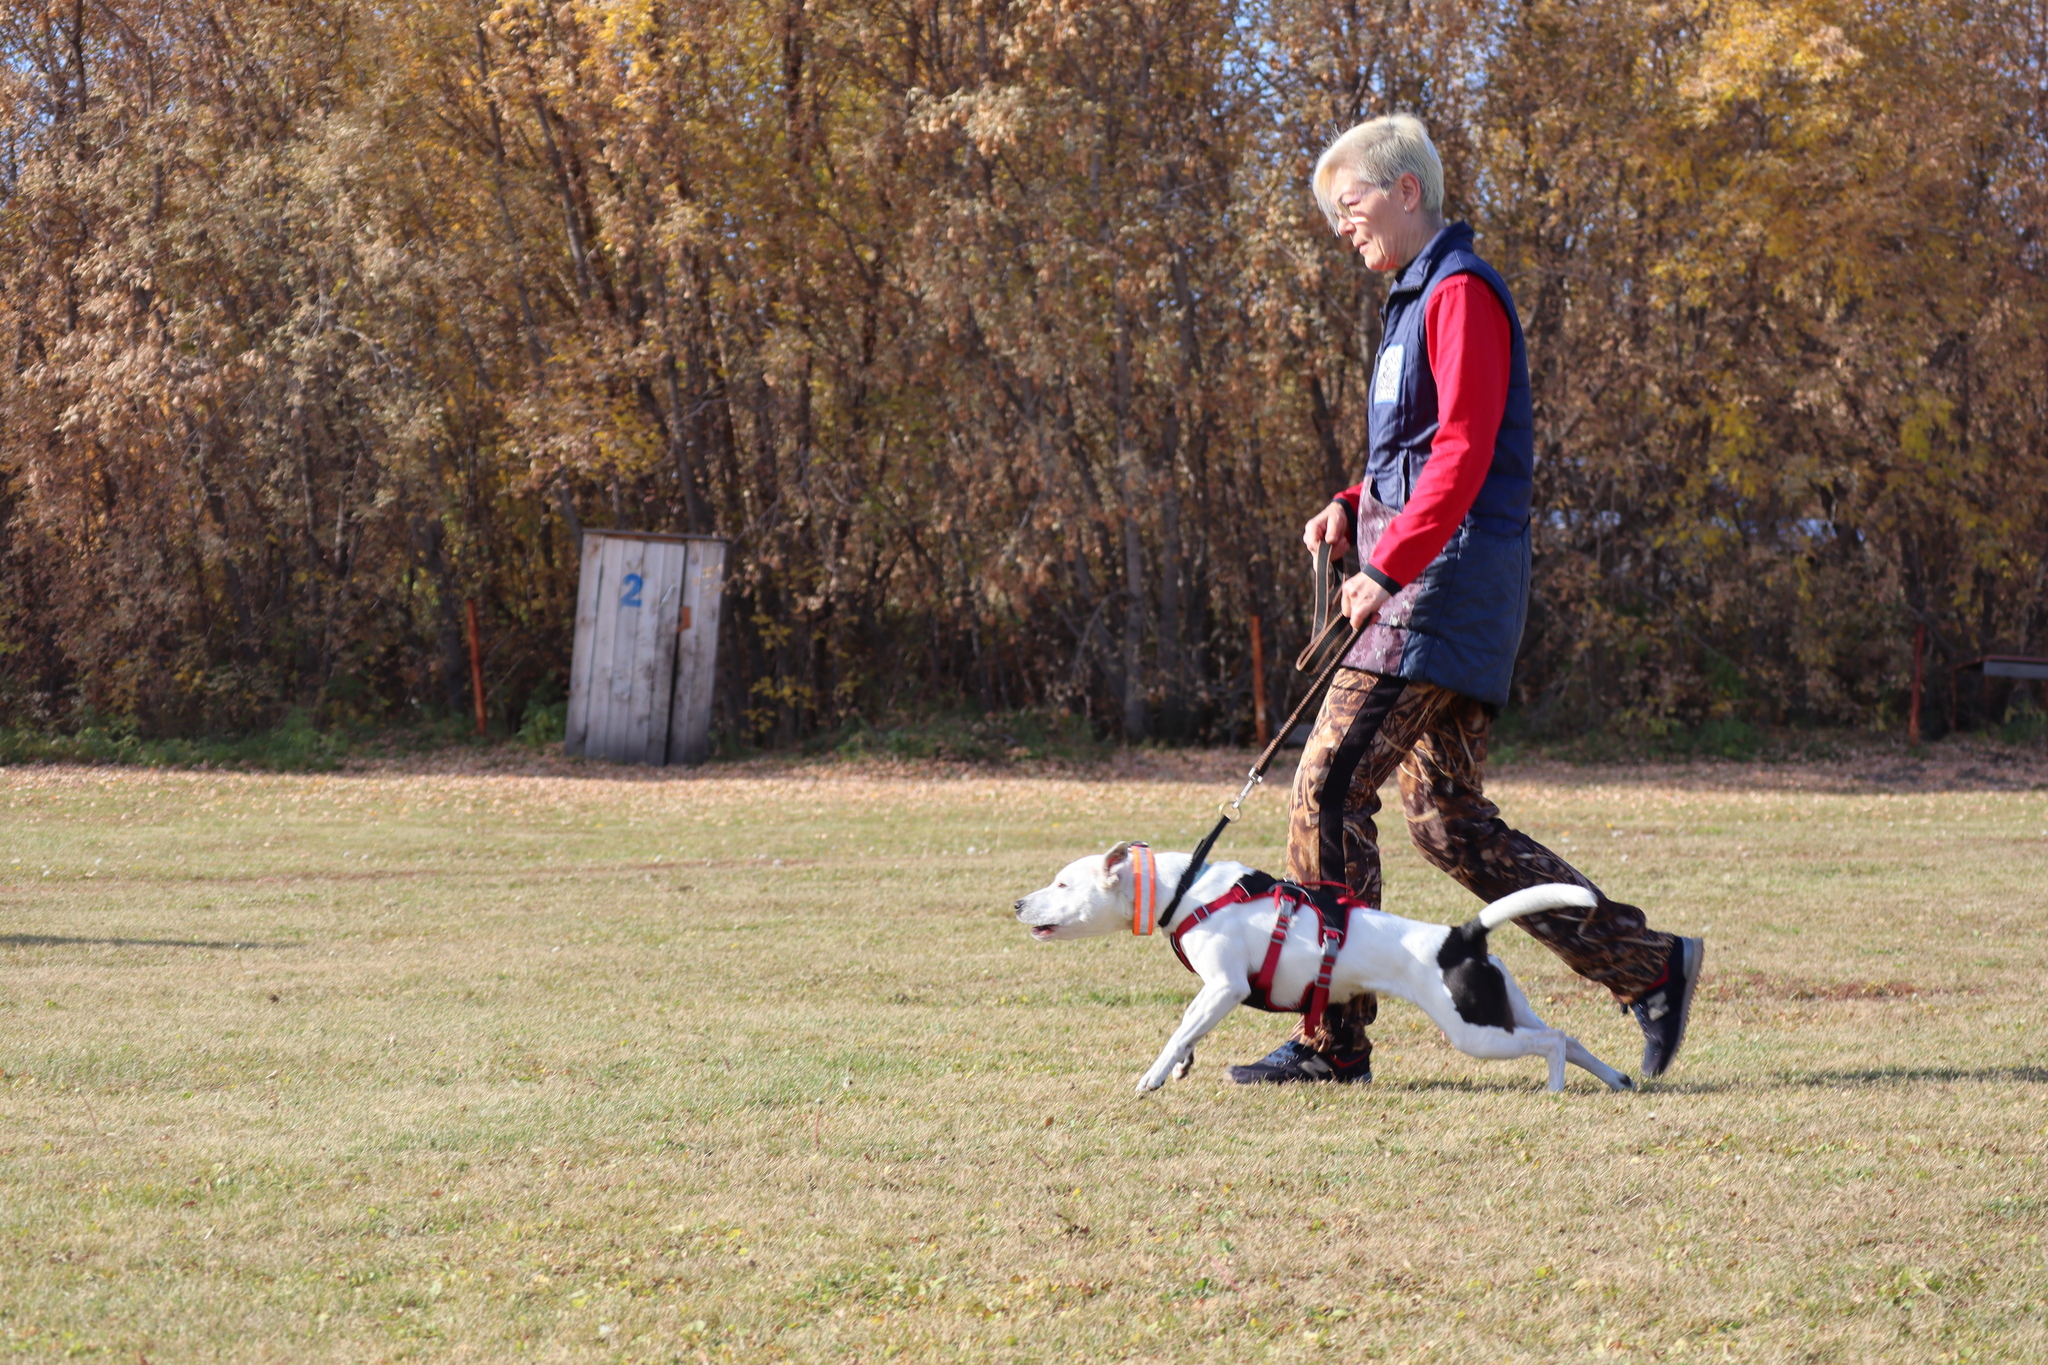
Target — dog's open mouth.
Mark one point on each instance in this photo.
(1043, 931)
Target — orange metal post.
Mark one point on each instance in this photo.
(1259, 682)
(1913, 710)
(476, 666)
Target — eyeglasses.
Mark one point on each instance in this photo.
(1344, 211)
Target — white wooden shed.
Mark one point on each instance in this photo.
(646, 647)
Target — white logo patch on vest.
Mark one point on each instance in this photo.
(1386, 380)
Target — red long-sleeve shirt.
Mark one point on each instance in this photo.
(1469, 345)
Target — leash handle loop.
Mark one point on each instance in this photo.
(1319, 588)
(1325, 593)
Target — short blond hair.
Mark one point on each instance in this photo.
(1380, 151)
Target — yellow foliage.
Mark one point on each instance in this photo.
(1002, 340)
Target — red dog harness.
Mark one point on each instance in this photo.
(1291, 896)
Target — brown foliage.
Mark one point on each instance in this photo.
(1001, 338)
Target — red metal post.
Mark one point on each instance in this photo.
(1919, 658)
(476, 666)
(1259, 682)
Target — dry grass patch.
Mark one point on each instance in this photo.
(556, 1062)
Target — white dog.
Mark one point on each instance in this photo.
(1230, 943)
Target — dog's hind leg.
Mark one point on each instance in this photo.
(1499, 1045)
(1580, 1056)
(1204, 1012)
(1575, 1052)
(1555, 1057)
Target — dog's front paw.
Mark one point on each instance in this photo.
(1186, 1064)
(1152, 1080)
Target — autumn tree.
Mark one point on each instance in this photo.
(1002, 340)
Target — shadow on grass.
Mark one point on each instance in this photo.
(1859, 1078)
(1469, 1087)
(55, 941)
(1906, 1075)
(1783, 1080)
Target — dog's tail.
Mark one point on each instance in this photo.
(1534, 899)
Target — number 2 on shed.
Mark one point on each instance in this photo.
(631, 596)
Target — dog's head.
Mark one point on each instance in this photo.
(1090, 896)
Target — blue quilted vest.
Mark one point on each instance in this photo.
(1460, 623)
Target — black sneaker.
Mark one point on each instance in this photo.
(1663, 1012)
(1295, 1060)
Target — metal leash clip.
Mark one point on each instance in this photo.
(1235, 806)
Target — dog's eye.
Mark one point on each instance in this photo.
(1059, 886)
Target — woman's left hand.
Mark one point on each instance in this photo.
(1363, 597)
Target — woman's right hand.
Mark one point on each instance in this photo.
(1331, 526)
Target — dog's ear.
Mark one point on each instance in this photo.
(1116, 855)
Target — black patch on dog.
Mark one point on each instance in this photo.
(1327, 899)
(1257, 884)
(1477, 988)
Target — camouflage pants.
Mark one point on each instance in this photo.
(1370, 727)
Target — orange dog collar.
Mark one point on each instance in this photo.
(1144, 890)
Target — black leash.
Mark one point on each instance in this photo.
(1320, 657)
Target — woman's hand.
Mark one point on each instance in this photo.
(1363, 597)
(1331, 526)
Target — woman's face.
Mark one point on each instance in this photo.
(1376, 223)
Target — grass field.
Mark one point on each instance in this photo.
(562, 1062)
